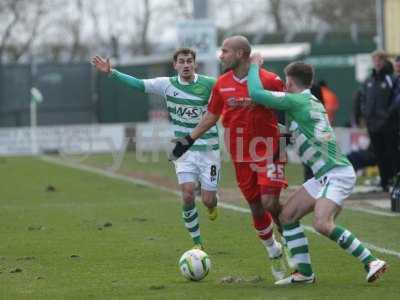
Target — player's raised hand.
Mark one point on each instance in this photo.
(102, 64)
(256, 58)
(181, 146)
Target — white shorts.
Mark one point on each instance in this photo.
(336, 185)
(202, 166)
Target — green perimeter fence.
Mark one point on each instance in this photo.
(77, 94)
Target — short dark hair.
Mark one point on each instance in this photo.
(301, 73)
(397, 58)
(380, 54)
(184, 51)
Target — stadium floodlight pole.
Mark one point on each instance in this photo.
(33, 113)
(36, 97)
(33, 104)
(380, 34)
(201, 11)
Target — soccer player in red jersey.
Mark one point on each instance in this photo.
(251, 138)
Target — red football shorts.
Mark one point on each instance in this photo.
(257, 178)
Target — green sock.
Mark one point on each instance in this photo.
(297, 244)
(347, 241)
(191, 220)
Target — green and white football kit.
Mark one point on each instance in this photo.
(334, 177)
(315, 143)
(186, 104)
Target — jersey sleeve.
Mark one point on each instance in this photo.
(216, 103)
(128, 80)
(274, 83)
(156, 85)
(275, 100)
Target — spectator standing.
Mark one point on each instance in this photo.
(382, 125)
(397, 66)
(395, 105)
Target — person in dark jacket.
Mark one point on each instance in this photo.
(395, 106)
(382, 124)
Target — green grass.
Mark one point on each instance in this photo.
(136, 257)
(158, 164)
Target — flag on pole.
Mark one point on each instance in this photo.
(36, 95)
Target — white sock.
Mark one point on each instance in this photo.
(273, 247)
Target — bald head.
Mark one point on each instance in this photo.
(239, 42)
(235, 54)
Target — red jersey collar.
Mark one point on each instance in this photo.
(239, 80)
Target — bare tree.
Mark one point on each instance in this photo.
(143, 23)
(275, 12)
(147, 14)
(8, 8)
(183, 8)
(108, 26)
(30, 25)
(71, 29)
(343, 13)
(261, 17)
(126, 23)
(22, 21)
(75, 28)
(234, 16)
(62, 37)
(96, 19)
(291, 16)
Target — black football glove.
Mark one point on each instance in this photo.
(181, 146)
(288, 138)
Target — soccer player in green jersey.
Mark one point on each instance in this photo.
(334, 177)
(186, 96)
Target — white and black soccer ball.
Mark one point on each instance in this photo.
(194, 264)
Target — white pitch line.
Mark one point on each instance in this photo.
(373, 212)
(107, 174)
(155, 186)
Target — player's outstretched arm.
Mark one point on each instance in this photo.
(104, 66)
(182, 145)
(276, 100)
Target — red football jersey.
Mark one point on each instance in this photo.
(247, 125)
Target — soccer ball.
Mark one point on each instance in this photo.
(194, 264)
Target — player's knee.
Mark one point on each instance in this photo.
(322, 226)
(286, 217)
(188, 196)
(257, 210)
(271, 206)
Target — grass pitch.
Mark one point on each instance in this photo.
(69, 234)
